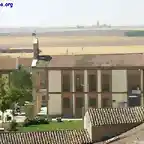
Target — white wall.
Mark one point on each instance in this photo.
(73, 89)
(119, 84)
(119, 100)
(87, 124)
(119, 80)
(86, 89)
(54, 78)
(54, 104)
(99, 87)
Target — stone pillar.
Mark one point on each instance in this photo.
(34, 89)
(73, 90)
(86, 100)
(99, 87)
(47, 90)
(142, 98)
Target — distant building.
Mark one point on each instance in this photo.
(67, 83)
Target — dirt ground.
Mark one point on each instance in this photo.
(55, 45)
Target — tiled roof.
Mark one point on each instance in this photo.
(109, 116)
(9, 63)
(133, 136)
(49, 137)
(95, 60)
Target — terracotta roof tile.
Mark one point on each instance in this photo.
(51, 137)
(96, 60)
(109, 116)
(9, 63)
(133, 136)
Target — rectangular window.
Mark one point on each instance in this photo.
(92, 102)
(44, 98)
(106, 82)
(79, 82)
(105, 103)
(133, 79)
(44, 101)
(66, 102)
(79, 102)
(66, 82)
(43, 79)
(92, 82)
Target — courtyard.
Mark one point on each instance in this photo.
(54, 125)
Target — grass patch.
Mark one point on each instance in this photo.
(77, 124)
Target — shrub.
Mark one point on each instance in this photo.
(35, 121)
(27, 122)
(41, 120)
(13, 126)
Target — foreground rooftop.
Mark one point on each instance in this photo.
(51, 137)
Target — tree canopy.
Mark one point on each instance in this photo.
(20, 85)
(19, 91)
(5, 102)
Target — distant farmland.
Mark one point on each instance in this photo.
(69, 41)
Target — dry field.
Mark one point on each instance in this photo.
(75, 45)
(79, 50)
(70, 41)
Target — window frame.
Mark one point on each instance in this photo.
(107, 100)
(79, 86)
(93, 99)
(132, 75)
(66, 85)
(106, 84)
(90, 83)
(77, 102)
(66, 104)
(43, 81)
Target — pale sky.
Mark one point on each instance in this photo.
(47, 13)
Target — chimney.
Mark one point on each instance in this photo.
(35, 46)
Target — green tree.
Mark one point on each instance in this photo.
(21, 85)
(15, 95)
(5, 102)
